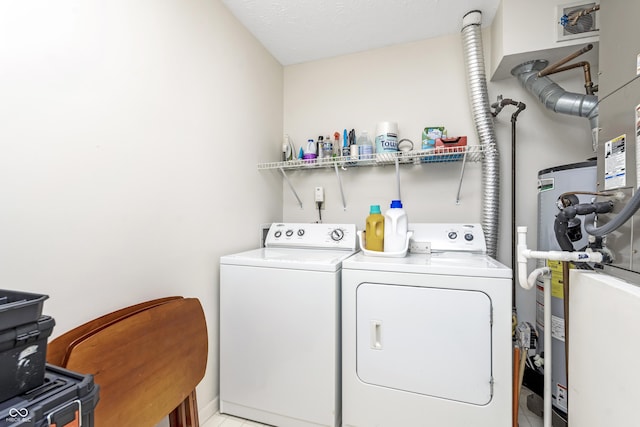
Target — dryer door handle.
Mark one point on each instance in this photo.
(376, 334)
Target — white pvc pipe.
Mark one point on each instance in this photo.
(545, 272)
(563, 256)
(548, 356)
(524, 254)
(529, 282)
(522, 260)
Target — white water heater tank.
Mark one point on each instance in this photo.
(553, 182)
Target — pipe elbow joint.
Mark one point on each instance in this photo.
(604, 207)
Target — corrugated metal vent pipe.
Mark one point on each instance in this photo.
(481, 110)
(554, 97)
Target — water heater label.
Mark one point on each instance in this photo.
(545, 184)
(557, 284)
(562, 399)
(615, 167)
(557, 328)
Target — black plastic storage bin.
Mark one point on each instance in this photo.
(66, 398)
(23, 352)
(18, 308)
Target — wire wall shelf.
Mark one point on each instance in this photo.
(471, 153)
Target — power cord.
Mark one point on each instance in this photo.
(319, 204)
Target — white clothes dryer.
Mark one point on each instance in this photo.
(426, 338)
(280, 326)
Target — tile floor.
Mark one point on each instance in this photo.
(525, 419)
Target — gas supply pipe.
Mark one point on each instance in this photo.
(528, 282)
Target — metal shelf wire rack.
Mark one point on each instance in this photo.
(471, 153)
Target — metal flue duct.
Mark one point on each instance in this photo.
(554, 97)
(483, 119)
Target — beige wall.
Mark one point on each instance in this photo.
(423, 84)
(128, 148)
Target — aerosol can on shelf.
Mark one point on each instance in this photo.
(395, 227)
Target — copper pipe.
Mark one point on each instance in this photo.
(567, 67)
(566, 202)
(573, 19)
(565, 296)
(549, 69)
(588, 84)
(557, 68)
(515, 401)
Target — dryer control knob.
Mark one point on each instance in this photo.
(301, 232)
(452, 235)
(278, 233)
(289, 233)
(337, 235)
(468, 237)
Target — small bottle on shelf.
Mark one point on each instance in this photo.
(327, 148)
(365, 146)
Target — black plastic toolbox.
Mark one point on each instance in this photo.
(65, 399)
(18, 308)
(23, 352)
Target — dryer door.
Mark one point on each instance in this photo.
(430, 341)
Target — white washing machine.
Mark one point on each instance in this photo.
(280, 326)
(426, 339)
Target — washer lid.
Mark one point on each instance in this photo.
(287, 258)
(443, 263)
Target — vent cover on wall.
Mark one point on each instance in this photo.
(586, 24)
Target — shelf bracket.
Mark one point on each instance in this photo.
(293, 190)
(464, 161)
(398, 177)
(344, 203)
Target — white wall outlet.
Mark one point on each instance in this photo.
(319, 194)
(417, 247)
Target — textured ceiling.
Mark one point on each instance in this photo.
(296, 31)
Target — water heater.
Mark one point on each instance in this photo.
(553, 182)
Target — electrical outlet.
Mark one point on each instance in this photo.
(319, 194)
(417, 247)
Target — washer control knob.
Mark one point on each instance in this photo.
(452, 235)
(468, 237)
(278, 234)
(301, 232)
(337, 235)
(289, 233)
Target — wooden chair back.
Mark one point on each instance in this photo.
(58, 349)
(147, 361)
